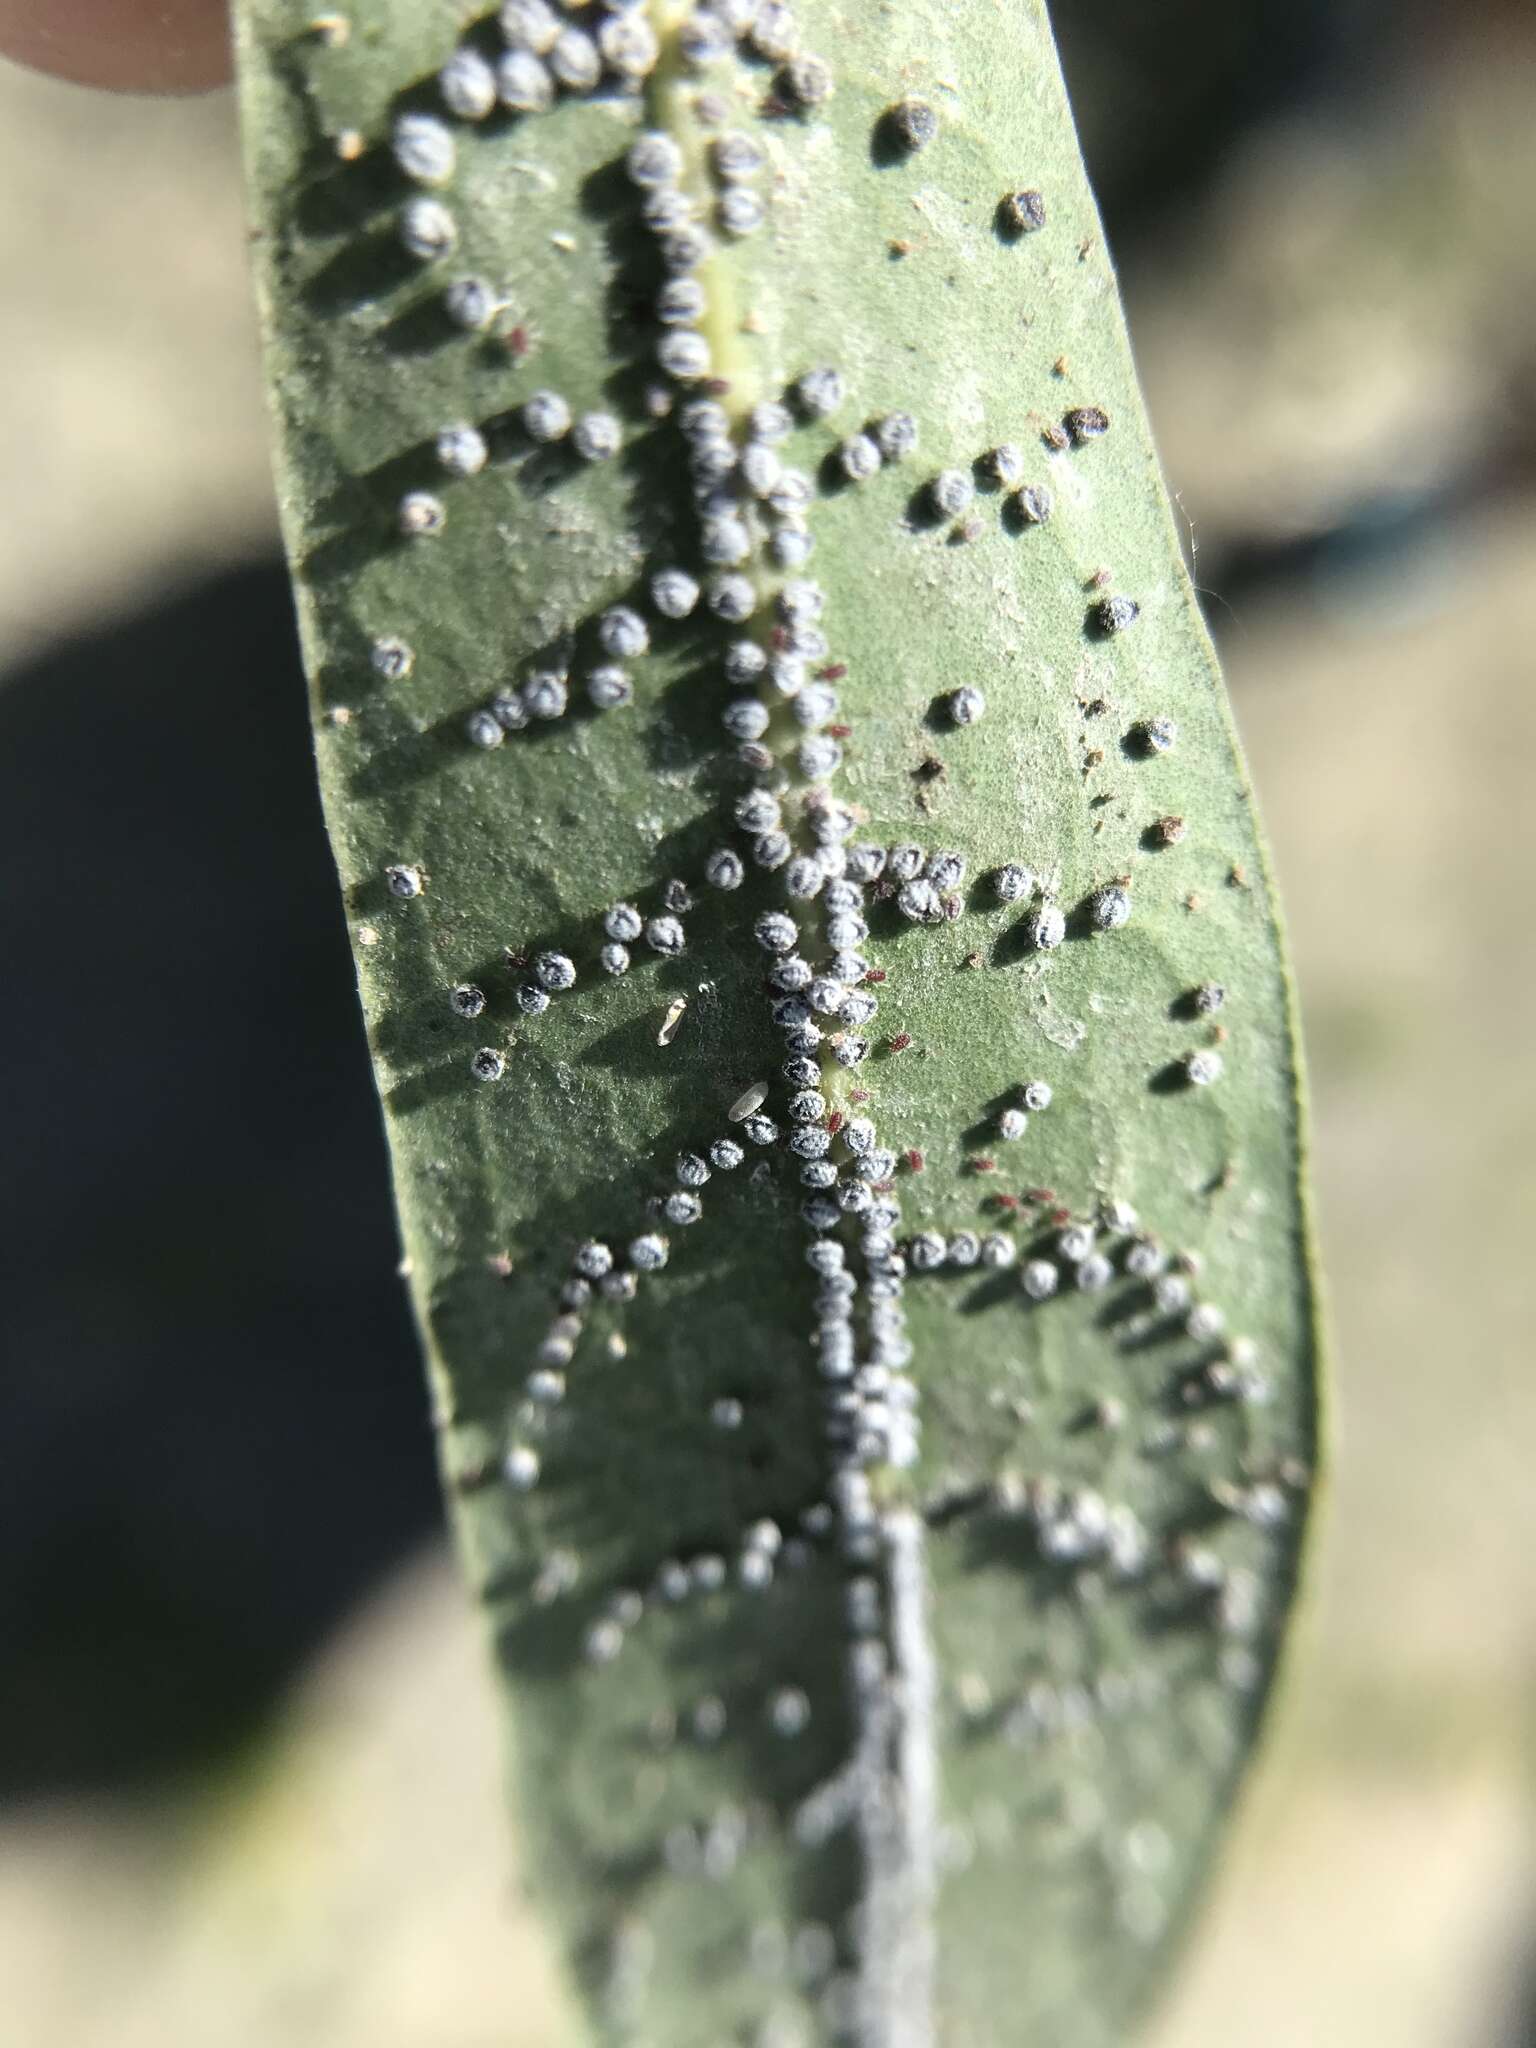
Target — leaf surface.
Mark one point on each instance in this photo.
(882, 1643)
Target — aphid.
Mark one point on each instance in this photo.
(758, 810)
(622, 921)
(623, 633)
(424, 148)
(609, 686)
(484, 729)
(945, 870)
(682, 1208)
(1112, 615)
(726, 1155)
(467, 1000)
(532, 1000)
(724, 542)
(775, 932)
(528, 25)
(790, 976)
(998, 1250)
(1094, 1273)
(732, 598)
(1011, 882)
(921, 900)
(806, 80)
(674, 593)
(1012, 1123)
(420, 513)
(1171, 1294)
(1004, 463)
(554, 971)
(680, 302)
(467, 84)
(724, 869)
(818, 392)
(510, 711)
(545, 694)
(618, 1287)
(614, 958)
(762, 1130)
(806, 1106)
(739, 211)
(1034, 504)
(404, 881)
(950, 492)
(629, 47)
(1209, 997)
(773, 32)
(1021, 213)
(703, 39)
(683, 354)
(818, 757)
(1109, 907)
(685, 248)
(597, 436)
(487, 1064)
(910, 125)
(804, 876)
(427, 229)
(1039, 1279)
(574, 60)
(726, 1413)
(665, 935)
(1158, 736)
(523, 84)
(461, 450)
(965, 705)
(859, 458)
(773, 849)
(471, 304)
(672, 1023)
(790, 547)
(1201, 1068)
(520, 1468)
(904, 861)
(745, 661)
(1085, 423)
(926, 1251)
(547, 417)
(1045, 928)
(648, 1252)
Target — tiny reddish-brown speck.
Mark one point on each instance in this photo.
(914, 1159)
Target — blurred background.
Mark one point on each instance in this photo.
(247, 1773)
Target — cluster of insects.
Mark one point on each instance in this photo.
(789, 842)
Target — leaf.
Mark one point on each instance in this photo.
(881, 1656)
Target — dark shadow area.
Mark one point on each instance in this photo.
(214, 1424)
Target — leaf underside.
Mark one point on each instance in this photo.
(881, 1653)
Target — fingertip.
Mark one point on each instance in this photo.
(161, 46)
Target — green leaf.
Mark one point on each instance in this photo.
(900, 1708)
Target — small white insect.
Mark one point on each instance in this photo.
(1046, 928)
(420, 514)
(597, 436)
(547, 417)
(1039, 1279)
(523, 84)
(424, 148)
(427, 229)
(467, 84)
(520, 1468)
(461, 450)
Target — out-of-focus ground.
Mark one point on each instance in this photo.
(1338, 334)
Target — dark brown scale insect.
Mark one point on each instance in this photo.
(900, 1042)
